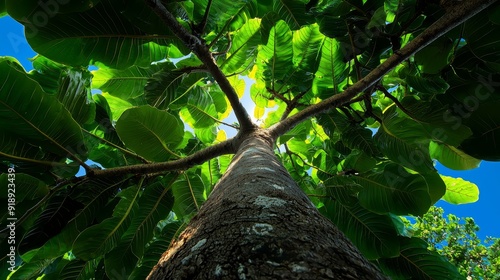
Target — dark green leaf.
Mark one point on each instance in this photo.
(374, 235)
(37, 118)
(151, 133)
(416, 262)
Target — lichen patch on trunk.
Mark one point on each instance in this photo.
(268, 202)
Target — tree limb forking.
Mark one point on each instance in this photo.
(198, 47)
(453, 17)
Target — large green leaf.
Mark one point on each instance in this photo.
(200, 110)
(151, 133)
(50, 222)
(331, 70)
(101, 238)
(435, 56)
(163, 87)
(99, 34)
(70, 85)
(357, 137)
(125, 83)
(404, 141)
(460, 191)
(292, 12)
(431, 85)
(416, 262)
(26, 187)
(34, 117)
(434, 119)
(156, 249)
(374, 235)
(343, 189)
(94, 196)
(452, 157)
(189, 193)
(485, 125)
(306, 55)
(243, 46)
(155, 204)
(394, 190)
(274, 58)
(481, 38)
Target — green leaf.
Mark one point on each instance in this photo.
(452, 157)
(244, 45)
(356, 137)
(94, 197)
(394, 190)
(126, 83)
(274, 58)
(416, 262)
(435, 56)
(404, 142)
(428, 84)
(189, 193)
(162, 88)
(485, 125)
(200, 110)
(358, 161)
(3, 11)
(50, 222)
(103, 237)
(331, 70)
(436, 186)
(36, 117)
(102, 34)
(374, 235)
(292, 12)
(151, 133)
(459, 191)
(343, 189)
(435, 121)
(27, 187)
(155, 204)
(29, 270)
(155, 250)
(70, 85)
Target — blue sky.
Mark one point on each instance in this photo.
(487, 176)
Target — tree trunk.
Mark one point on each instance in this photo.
(258, 224)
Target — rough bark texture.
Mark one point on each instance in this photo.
(258, 224)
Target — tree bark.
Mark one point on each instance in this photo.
(258, 224)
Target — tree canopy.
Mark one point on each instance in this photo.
(359, 96)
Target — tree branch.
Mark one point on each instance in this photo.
(460, 13)
(125, 151)
(201, 50)
(223, 148)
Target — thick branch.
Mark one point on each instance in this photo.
(202, 51)
(223, 148)
(460, 13)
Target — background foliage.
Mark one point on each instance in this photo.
(364, 164)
